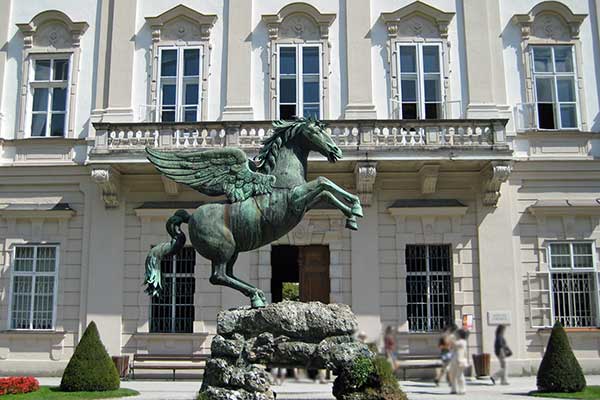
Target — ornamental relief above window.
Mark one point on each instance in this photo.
(50, 72)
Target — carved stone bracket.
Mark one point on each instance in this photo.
(108, 179)
(171, 187)
(494, 175)
(366, 173)
(428, 177)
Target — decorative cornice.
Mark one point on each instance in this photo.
(552, 8)
(108, 179)
(204, 22)
(494, 175)
(323, 21)
(438, 18)
(365, 173)
(428, 177)
(29, 29)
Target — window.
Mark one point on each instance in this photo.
(299, 81)
(555, 93)
(420, 81)
(573, 283)
(33, 287)
(428, 287)
(180, 85)
(173, 310)
(49, 92)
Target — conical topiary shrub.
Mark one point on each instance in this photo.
(90, 368)
(559, 370)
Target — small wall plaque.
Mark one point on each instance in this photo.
(499, 317)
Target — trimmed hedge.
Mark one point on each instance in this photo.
(90, 368)
(559, 370)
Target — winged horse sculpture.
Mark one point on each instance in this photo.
(266, 199)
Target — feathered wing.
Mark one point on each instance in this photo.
(213, 172)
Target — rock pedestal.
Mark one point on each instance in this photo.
(287, 334)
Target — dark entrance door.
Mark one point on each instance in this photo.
(313, 264)
(306, 265)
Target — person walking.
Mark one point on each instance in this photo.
(502, 352)
(459, 362)
(445, 347)
(389, 345)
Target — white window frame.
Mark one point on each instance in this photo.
(299, 77)
(174, 275)
(49, 84)
(180, 81)
(33, 274)
(421, 77)
(592, 271)
(428, 273)
(555, 76)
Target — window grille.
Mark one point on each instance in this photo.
(555, 89)
(299, 81)
(49, 88)
(180, 84)
(420, 80)
(173, 310)
(573, 284)
(428, 287)
(33, 287)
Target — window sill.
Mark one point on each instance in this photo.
(31, 333)
(547, 331)
(47, 139)
(171, 336)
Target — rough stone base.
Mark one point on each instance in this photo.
(286, 334)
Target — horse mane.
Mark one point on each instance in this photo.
(283, 132)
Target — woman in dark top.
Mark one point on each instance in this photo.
(502, 352)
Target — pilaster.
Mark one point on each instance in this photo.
(238, 104)
(358, 49)
(4, 26)
(115, 62)
(485, 68)
(365, 273)
(105, 268)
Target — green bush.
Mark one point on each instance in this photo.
(380, 382)
(559, 370)
(90, 368)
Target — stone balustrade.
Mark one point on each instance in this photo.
(348, 134)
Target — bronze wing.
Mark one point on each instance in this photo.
(213, 172)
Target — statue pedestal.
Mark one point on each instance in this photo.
(287, 334)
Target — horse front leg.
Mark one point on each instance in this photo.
(327, 184)
(337, 203)
(307, 195)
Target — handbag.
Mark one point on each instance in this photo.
(507, 351)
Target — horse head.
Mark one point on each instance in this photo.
(317, 139)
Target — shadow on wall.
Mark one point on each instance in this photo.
(593, 17)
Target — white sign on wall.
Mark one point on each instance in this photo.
(499, 317)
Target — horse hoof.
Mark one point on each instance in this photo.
(357, 210)
(351, 224)
(258, 301)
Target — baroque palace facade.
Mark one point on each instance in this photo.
(469, 130)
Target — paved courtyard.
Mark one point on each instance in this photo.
(476, 390)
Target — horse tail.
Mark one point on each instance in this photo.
(153, 277)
